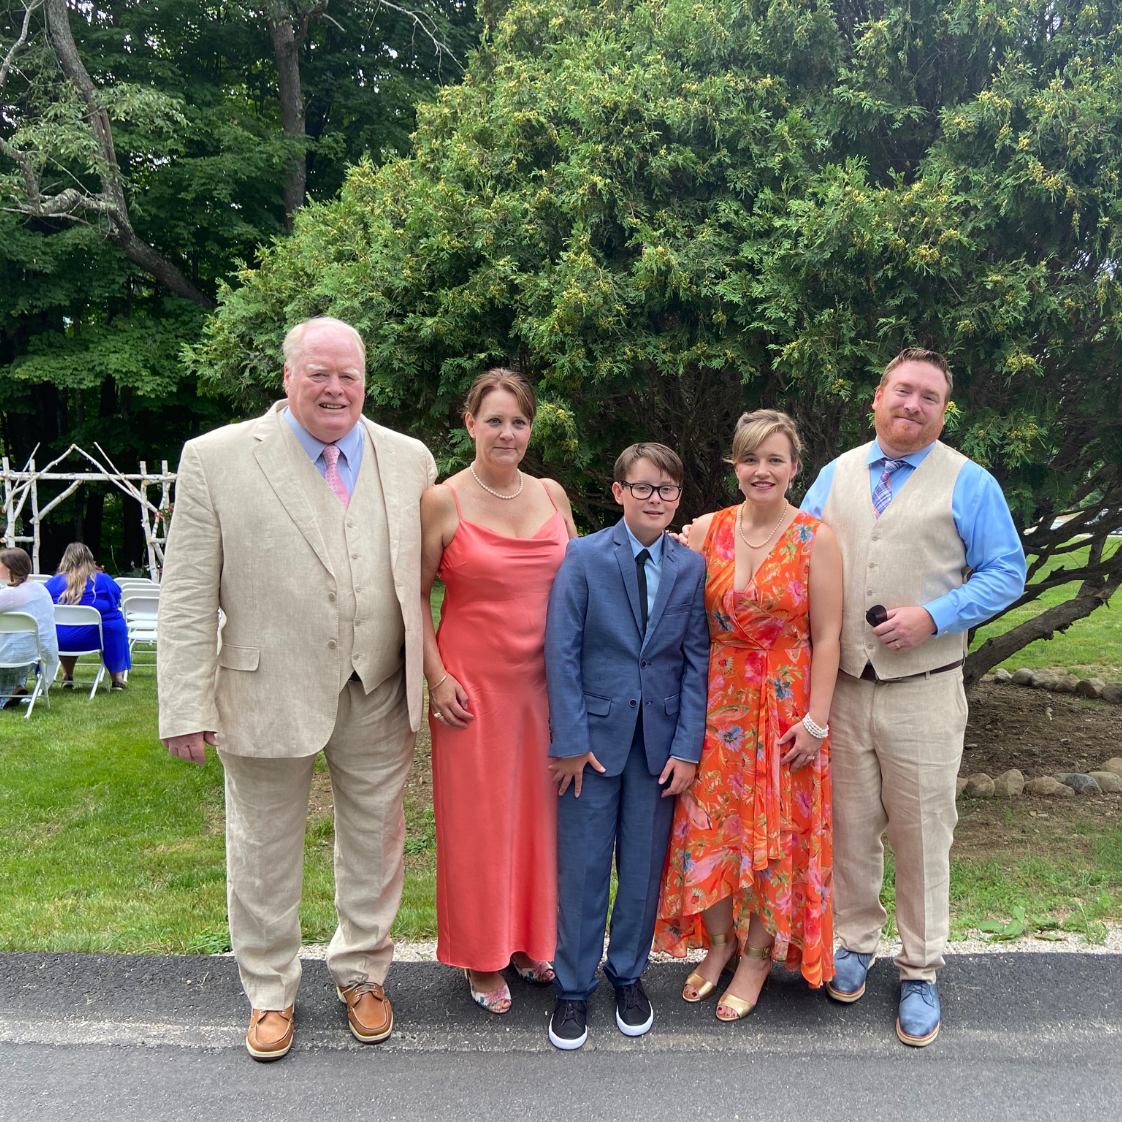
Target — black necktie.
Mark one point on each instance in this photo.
(641, 559)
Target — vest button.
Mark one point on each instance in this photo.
(331, 644)
(331, 597)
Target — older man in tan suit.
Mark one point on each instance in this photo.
(302, 527)
(914, 520)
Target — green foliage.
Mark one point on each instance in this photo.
(668, 212)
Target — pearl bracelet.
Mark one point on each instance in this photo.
(815, 730)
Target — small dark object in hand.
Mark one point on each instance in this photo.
(877, 615)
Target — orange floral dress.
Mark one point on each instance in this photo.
(748, 826)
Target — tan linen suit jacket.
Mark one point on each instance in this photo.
(244, 539)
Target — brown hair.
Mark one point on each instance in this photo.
(752, 429)
(79, 565)
(663, 458)
(919, 354)
(500, 378)
(16, 561)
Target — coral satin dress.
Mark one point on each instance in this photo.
(495, 807)
(749, 827)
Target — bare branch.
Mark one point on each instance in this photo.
(439, 44)
(9, 58)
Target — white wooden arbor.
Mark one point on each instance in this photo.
(21, 486)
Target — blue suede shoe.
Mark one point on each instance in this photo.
(850, 970)
(918, 1021)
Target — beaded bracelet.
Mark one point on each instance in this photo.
(815, 730)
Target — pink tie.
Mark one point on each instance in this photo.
(334, 479)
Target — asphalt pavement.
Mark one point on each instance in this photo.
(117, 1038)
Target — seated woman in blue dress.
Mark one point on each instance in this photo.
(78, 582)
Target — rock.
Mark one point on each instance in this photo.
(1109, 783)
(1002, 675)
(1028, 772)
(1114, 765)
(1090, 687)
(1022, 677)
(1044, 680)
(1081, 784)
(1067, 683)
(1048, 787)
(1009, 784)
(1113, 693)
(979, 786)
(959, 787)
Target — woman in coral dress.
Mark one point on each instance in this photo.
(749, 866)
(496, 538)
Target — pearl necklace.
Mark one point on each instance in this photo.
(740, 527)
(492, 491)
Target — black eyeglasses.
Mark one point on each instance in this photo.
(668, 491)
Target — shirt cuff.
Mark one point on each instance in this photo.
(943, 613)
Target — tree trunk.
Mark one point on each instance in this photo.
(287, 41)
(1091, 596)
(112, 183)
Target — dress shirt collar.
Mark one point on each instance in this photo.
(637, 546)
(348, 445)
(876, 454)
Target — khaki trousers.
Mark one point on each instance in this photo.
(895, 754)
(368, 756)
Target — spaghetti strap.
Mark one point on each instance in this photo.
(456, 500)
(556, 508)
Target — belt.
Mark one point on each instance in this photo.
(870, 675)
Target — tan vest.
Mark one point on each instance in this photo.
(371, 629)
(908, 557)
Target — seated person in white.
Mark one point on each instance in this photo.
(18, 594)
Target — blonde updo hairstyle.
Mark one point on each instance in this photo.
(752, 429)
(500, 378)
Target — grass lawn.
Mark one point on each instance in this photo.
(109, 844)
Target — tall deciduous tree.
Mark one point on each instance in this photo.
(667, 213)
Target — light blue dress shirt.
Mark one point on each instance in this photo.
(652, 566)
(981, 516)
(350, 450)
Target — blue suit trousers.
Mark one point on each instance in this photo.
(626, 816)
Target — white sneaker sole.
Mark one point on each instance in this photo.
(635, 1030)
(566, 1045)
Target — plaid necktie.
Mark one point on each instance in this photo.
(882, 496)
(334, 479)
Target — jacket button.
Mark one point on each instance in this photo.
(357, 622)
(354, 556)
(331, 597)
(633, 703)
(331, 644)
(872, 564)
(642, 664)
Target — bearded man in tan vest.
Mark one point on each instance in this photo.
(914, 520)
(302, 528)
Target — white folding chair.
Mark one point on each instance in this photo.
(20, 623)
(125, 583)
(42, 578)
(140, 611)
(78, 615)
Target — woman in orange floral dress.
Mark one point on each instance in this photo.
(751, 852)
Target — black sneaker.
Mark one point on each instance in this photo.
(568, 1027)
(634, 1013)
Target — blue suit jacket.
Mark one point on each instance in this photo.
(600, 668)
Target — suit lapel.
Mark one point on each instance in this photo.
(392, 489)
(666, 581)
(275, 456)
(626, 561)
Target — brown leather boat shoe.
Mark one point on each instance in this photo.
(270, 1033)
(369, 1012)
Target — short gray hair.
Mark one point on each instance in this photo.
(295, 336)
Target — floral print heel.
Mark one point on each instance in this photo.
(540, 974)
(496, 1001)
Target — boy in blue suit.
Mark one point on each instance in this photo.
(627, 661)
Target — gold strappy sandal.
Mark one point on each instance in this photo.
(702, 988)
(741, 1008)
